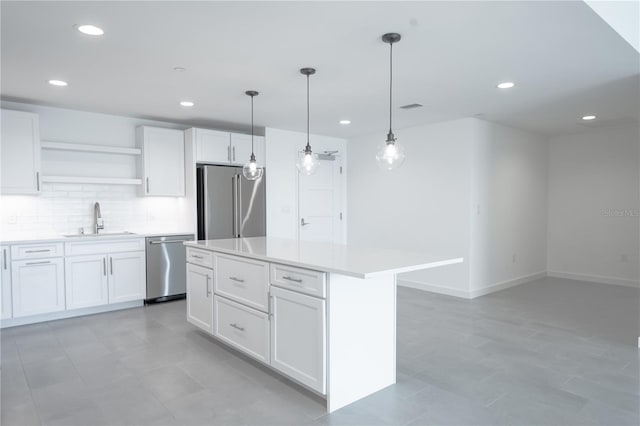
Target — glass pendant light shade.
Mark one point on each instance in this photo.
(307, 162)
(390, 155)
(251, 169)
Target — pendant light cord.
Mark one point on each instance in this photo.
(252, 125)
(308, 146)
(390, 82)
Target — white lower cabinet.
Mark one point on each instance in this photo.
(37, 286)
(200, 297)
(127, 277)
(298, 329)
(86, 281)
(242, 327)
(6, 310)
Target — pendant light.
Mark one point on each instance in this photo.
(251, 169)
(390, 154)
(308, 162)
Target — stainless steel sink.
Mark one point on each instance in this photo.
(104, 234)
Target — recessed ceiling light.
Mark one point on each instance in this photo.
(345, 121)
(58, 83)
(589, 117)
(179, 69)
(91, 30)
(187, 103)
(505, 85)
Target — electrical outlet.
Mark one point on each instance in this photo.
(12, 220)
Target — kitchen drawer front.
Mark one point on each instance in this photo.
(243, 280)
(200, 257)
(36, 251)
(305, 281)
(99, 247)
(242, 327)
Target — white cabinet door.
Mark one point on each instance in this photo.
(5, 284)
(200, 297)
(212, 146)
(163, 161)
(20, 153)
(298, 347)
(241, 148)
(127, 277)
(86, 281)
(37, 286)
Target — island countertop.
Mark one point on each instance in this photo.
(359, 262)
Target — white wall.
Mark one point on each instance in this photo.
(422, 206)
(594, 206)
(282, 147)
(509, 222)
(468, 188)
(63, 208)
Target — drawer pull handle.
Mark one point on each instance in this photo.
(208, 287)
(197, 257)
(38, 263)
(238, 280)
(236, 326)
(38, 251)
(295, 280)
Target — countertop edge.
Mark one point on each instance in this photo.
(63, 239)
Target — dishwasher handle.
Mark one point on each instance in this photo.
(167, 242)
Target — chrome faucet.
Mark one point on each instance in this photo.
(97, 216)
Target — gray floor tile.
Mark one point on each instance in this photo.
(50, 373)
(169, 382)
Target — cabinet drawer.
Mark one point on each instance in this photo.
(101, 247)
(243, 280)
(298, 279)
(200, 257)
(34, 251)
(242, 327)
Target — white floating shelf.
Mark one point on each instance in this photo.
(82, 147)
(87, 179)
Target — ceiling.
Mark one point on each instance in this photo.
(565, 60)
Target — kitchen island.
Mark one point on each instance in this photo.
(322, 314)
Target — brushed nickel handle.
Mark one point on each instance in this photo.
(208, 288)
(197, 257)
(303, 223)
(38, 263)
(111, 265)
(38, 181)
(104, 266)
(147, 180)
(295, 280)
(238, 280)
(168, 242)
(38, 251)
(4, 259)
(236, 326)
(234, 153)
(229, 153)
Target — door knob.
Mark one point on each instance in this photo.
(303, 223)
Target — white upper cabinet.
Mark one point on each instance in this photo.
(216, 147)
(20, 153)
(212, 146)
(163, 161)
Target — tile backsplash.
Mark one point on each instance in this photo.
(64, 208)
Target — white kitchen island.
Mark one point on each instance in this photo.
(322, 314)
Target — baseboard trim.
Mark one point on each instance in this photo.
(13, 322)
(492, 288)
(464, 294)
(595, 278)
(434, 288)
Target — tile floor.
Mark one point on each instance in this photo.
(552, 352)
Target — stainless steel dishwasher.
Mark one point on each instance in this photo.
(166, 267)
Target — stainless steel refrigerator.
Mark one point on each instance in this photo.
(229, 206)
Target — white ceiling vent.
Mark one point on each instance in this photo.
(411, 106)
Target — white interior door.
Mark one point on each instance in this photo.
(320, 202)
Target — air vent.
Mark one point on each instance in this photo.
(411, 106)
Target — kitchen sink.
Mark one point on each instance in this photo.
(104, 234)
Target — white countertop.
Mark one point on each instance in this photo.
(25, 238)
(359, 262)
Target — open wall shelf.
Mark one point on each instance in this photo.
(92, 179)
(100, 149)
